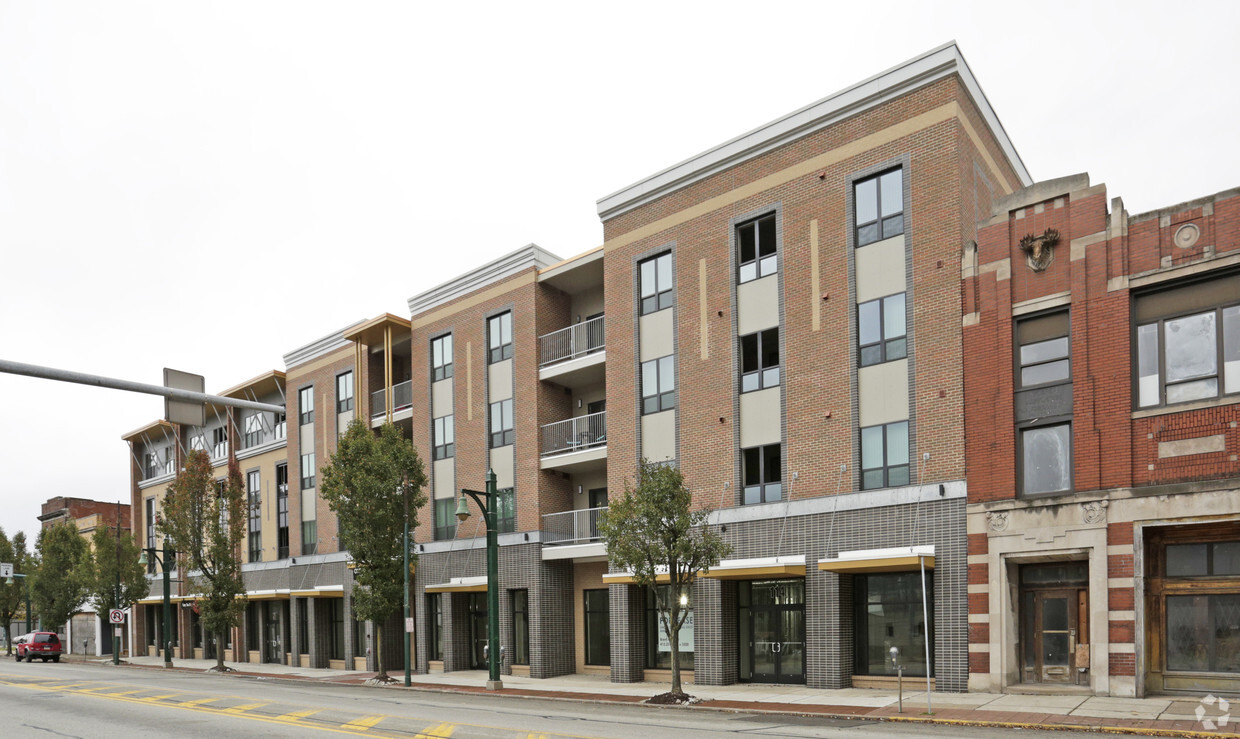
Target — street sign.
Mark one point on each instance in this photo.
(409, 625)
(6, 569)
(116, 616)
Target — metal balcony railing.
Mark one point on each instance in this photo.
(402, 398)
(572, 342)
(377, 400)
(575, 434)
(571, 527)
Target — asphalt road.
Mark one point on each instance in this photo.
(74, 700)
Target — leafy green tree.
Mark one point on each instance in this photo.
(116, 559)
(372, 482)
(652, 531)
(13, 597)
(58, 588)
(206, 521)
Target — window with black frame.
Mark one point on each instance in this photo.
(253, 484)
(762, 474)
(305, 405)
(520, 627)
(506, 511)
(337, 628)
(882, 330)
(760, 360)
(499, 337)
(659, 384)
(502, 433)
(889, 613)
(879, 207)
(443, 437)
(658, 646)
(434, 624)
(655, 290)
(441, 358)
(885, 456)
(344, 392)
(445, 519)
(282, 511)
(757, 248)
(597, 627)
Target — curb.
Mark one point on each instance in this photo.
(757, 708)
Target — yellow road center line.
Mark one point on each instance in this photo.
(199, 701)
(247, 707)
(299, 714)
(365, 722)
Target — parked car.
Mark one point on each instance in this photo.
(42, 645)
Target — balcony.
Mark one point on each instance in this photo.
(575, 355)
(575, 445)
(572, 527)
(402, 399)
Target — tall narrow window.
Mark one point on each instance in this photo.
(441, 358)
(597, 627)
(337, 628)
(520, 627)
(309, 537)
(434, 621)
(445, 518)
(1042, 354)
(1046, 458)
(219, 443)
(303, 626)
(502, 433)
(253, 430)
(150, 533)
(762, 469)
(659, 384)
(655, 283)
(760, 360)
(499, 337)
(506, 519)
(282, 511)
(879, 203)
(884, 456)
(443, 445)
(307, 471)
(881, 330)
(344, 392)
(254, 487)
(756, 246)
(305, 405)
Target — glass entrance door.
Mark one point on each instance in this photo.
(271, 641)
(1053, 621)
(777, 631)
(478, 631)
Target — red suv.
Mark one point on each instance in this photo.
(42, 645)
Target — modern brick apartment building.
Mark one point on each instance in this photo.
(1104, 377)
(818, 322)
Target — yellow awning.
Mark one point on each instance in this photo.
(626, 578)
(336, 592)
(899, 559)
(267, 595)
(761, 567)
(460, 585)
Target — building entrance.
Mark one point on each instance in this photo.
(1054, 620)
(478, 631)
(271, 630)
(772, 622)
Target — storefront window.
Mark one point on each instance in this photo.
(1203, 632)
(520, 627)
(598, 627)
(337, 632)
(434, 619)
(658, 647)
(889, 613)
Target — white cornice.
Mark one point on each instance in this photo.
(899, 80)
(319, 347)
(530, 255)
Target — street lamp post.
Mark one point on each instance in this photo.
(163, 565)
(408, 635)
(116, 629)
(488, 502)
(9, 581)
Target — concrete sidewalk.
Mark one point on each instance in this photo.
(1158, 716)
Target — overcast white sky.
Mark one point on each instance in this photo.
(208, 186)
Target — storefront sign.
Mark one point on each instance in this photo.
(686, 635)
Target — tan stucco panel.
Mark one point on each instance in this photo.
(657, 332)
(760, 417)
(441, 398)
(588, 481)
(444, 479)
(307, 504)
(883, 393)
(659, 436)
(343, 420)
(499, 381)
(757, 305)
(305, 437)
(502, 464)
(880, 269)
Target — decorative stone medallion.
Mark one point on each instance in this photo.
(1186, 236)
(1095, 512)
(997, 520)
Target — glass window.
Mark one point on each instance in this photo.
(303, 625)
(307, 471)
(337, 628)
(655, 283)
(444, 441)
(1046, 458)
(359, 638)
(305, 405)
(1207, 559)
(1203, 633)
(889, 613)
(658, 646)
(881, 330)
(253, 485)
(1183, 358)
(499, 337)
(598, 627)
(760, 360)
(659, 384)
(506, 508)
(441, 358)
(756, 243)
(253, 430)
(520, 627)
(445, 518)
(762, 471)
(309, 537)
(282, 511)
(879, 204)
(344, 393)
(434, 619)
(502, 433)
(884, 456)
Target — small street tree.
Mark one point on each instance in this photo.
(372, 482)
(114, 576)
(58, 588)
(206, 523)
(13, 597)
(652, 531)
